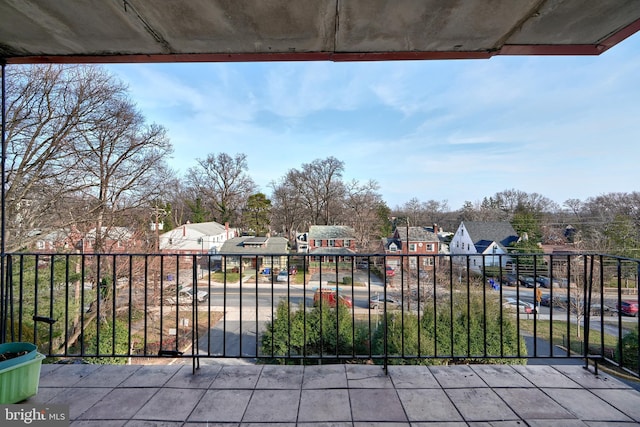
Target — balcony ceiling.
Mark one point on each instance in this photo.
(85, 31)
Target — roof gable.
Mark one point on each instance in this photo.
(492, 231)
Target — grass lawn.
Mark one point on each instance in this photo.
(574, 336)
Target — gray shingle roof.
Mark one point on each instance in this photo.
(236, 246)
(500, 232)
(325, 232)
(416, 234)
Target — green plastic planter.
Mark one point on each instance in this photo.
(20, 381)
(17, 347)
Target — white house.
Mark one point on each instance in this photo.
(489, 239)
(201, 238)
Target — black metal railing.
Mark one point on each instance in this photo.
(293, 308)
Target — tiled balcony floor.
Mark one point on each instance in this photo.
(338, 395)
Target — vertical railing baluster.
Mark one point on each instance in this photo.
(114, 303)
(66, 305)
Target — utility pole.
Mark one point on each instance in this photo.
(157, 211)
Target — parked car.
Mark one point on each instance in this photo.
(527, 281)
(629, 308)
(543, 281)
(378, 302)
(510, 279)
(597, 310)
(186, 296)
(558, 301)
(363, 265)
(523, 307)
(283, 276)
(293, 270)
(389, 271)
(330, 297)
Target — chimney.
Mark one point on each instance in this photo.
(435, 228)
(184, 230)
(226, 228)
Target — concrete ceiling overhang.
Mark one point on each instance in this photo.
(107, 31)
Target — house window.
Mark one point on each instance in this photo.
(429, 247)
(332, 243)
(427, 261)
(40, 244)
(412, 263)
(467, 246)
(317, 243)
(412, 247)
(345, 243)
(393, 247)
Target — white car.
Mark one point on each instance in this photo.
(523, 306)
(378, 302)
(185, 296)
(283, 276)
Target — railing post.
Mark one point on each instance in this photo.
(4, 294)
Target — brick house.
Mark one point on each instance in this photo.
(331, 243)
(420, 244)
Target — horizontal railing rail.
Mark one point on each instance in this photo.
(300, 308)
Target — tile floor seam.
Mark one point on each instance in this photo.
(299, 399)
(194, 406)
(349, 396)
(568, 377)
(462, 417)
(246, 408)
(508, 406)
(622, 411)
(578, 416)
(132, 417)
(404, 409)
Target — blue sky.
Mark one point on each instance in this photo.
(563, 127)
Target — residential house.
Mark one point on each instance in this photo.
(113, 240)
(483, 238)
(332, 243)
(255, 252)
(62, 240)
(196, 239)
(302, 243)
(418, 241)
(443, 236)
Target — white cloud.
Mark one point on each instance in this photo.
(444, 130)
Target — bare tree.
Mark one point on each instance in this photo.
(222, 182)
(119, 162)
(321, 188)
(288, 212)
(361, 203)
(53, 112)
